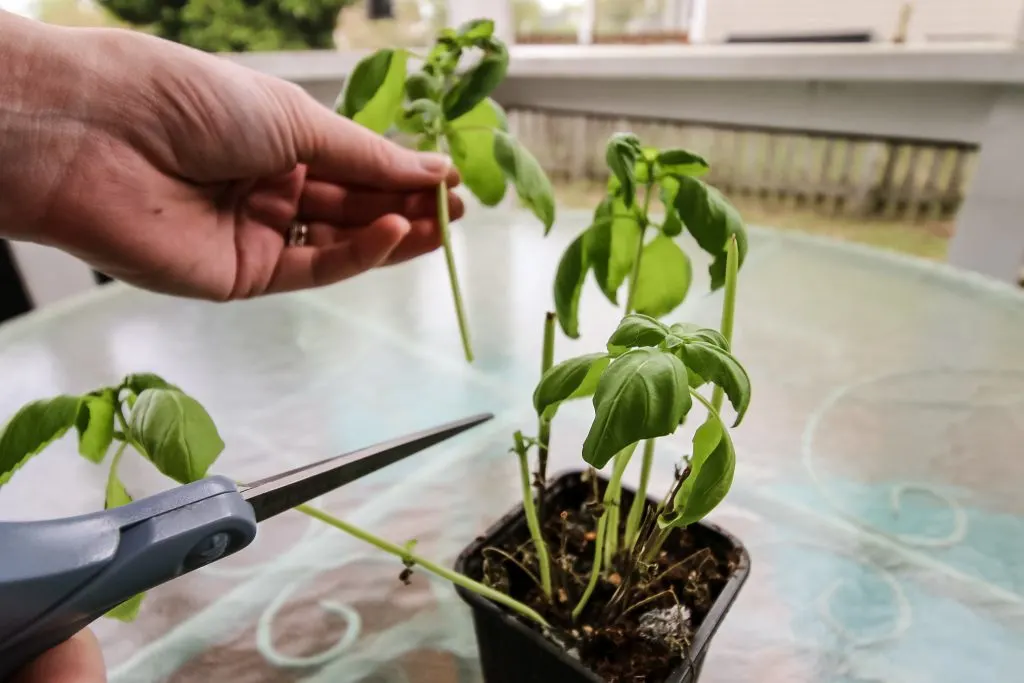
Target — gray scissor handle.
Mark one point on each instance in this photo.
(58, 576)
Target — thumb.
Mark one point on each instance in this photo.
(76, 660)
(340, 150)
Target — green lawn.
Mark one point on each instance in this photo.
(928, 239)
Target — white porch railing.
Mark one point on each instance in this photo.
(966, 95)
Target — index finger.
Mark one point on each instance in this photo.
(340, 150)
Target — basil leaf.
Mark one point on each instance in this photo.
(569, 279)
(531, 183)
(476, 84)
(445, 55)
(422, 86)
(691, 332)
(613, 246)
(139, 382)
(176, 434)
(372, 94)
(720, 367)
(34, 427)
(471, 144)
(621, 154)
(95, 424)
(673, 224)
(573, 378)
(643, 394)
(711, 473)
(420, 116)
(664, 278)
(116, 495)
(711, 220)
(128, 610)
(682, 162)
(476, 29)
(636, 330)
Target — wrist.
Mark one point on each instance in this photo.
(41, 96)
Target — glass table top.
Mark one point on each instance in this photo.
(876, 487)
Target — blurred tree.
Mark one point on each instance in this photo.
(74, 13)
(235, 25)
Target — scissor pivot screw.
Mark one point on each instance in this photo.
(209, 550)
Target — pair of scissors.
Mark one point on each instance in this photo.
(58, 576)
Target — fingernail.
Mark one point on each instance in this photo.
(432, 162)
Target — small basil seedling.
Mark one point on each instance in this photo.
(175, 433)
(448, 108)
(158, 420)
(643, 386)
(616, 249)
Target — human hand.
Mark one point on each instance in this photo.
(76, 660)
(181, 172)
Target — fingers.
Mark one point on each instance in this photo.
(76, 660)
(344, 207)
(340, 150)
(366, 248)
(423, 238)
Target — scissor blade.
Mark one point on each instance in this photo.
(282, 492)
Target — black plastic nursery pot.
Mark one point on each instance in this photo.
(512, 652)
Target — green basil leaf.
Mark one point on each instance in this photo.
(691, 332)
(373, 91)
(711, 220)
(642, 395)
(34, 427)
(141, 381)
(445, 55)
(621, 154)
(471, 144)
(422, 85)
(531, 183)
(128, 610)
(570, 379)
(682, 162)
(476, 29)
(613, 246)
(95, 424)
(664, 278)
(636, 330)
(673, 224)
(476, 84)
(642, 172)
(720, 367)
(569, 279)
(420, 116)
(117, 495)
(711, 473)
(176, 434)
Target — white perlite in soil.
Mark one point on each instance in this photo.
(661, 625)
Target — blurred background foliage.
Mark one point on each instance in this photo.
(260, 25)
(266, 25)
(234, 25)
